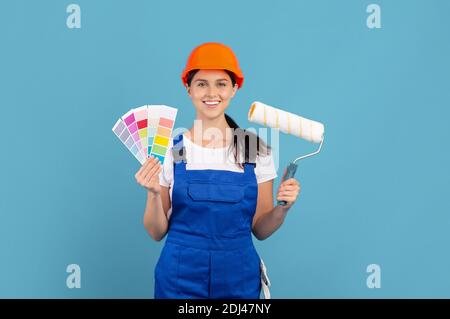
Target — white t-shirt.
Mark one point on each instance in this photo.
(199, 158)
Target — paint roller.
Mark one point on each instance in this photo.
(289, 123)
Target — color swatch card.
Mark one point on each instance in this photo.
(123, 133)
(146, 130)
(140, 115)
(153, 120)
(163, 129)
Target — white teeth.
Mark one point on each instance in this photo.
(211, 103)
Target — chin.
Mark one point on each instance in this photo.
(212, 114)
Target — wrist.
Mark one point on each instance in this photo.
(153, 195)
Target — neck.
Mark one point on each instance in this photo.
(211, 132)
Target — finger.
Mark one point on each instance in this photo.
(139, 172)
(291, 181)
(284, 174)
(147, 169)
(283, 195)
(155, 176)
(152, 163)
(289, 188)
(283, 198)
(289, 193)
(152, 172)
(144, 166)
(284, 185)
(152, 180)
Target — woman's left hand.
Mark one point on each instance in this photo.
(288, 191)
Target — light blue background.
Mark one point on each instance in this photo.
(377, 193)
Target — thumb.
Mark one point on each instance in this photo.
(284, 174)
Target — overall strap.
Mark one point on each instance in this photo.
(179, 153)
(249, 168)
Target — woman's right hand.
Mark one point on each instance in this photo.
(148, 175)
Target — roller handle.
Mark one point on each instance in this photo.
(290, 172)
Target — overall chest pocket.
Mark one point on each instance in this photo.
(218, 208)
(221, 193)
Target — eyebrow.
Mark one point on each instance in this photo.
(207, 80)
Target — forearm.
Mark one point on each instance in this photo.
(268, 223)
(155, 220)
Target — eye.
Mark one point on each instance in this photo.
(222, 84)
(201, 84)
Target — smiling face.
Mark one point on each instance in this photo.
(211, 92)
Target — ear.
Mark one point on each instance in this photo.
(235, 88)
(188, 90)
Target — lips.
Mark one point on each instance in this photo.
(211, 103)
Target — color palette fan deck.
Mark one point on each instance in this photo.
(145, 131)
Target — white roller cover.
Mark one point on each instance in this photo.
(287, 122)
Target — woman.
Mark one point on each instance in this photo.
(207, 199)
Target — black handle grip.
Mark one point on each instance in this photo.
(290, 172)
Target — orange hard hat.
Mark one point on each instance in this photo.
(213, 56)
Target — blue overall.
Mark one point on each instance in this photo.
(209, 251)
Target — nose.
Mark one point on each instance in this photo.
(211, 92)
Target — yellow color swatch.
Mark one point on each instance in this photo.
(164, 141)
